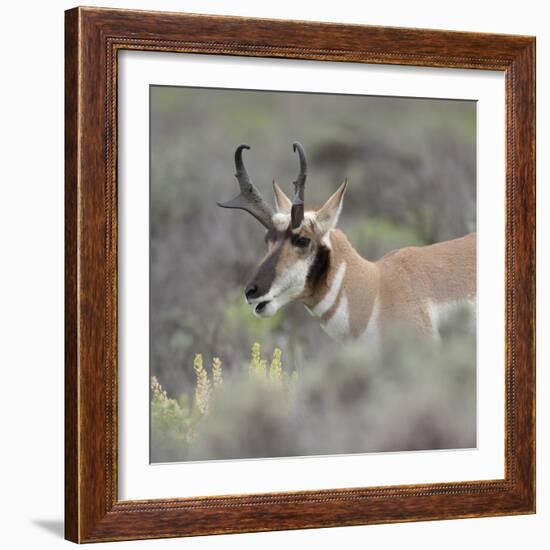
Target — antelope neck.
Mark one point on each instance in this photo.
(351, 284)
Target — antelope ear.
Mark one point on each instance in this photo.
(283, 203)
(327, 216)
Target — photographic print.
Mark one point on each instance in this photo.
(299, 275)
(333, 310)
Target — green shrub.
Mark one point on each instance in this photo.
(176, 425)
(415, 394)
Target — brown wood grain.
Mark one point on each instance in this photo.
(93, 38)
(71, 288)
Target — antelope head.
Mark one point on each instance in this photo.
(298, 245)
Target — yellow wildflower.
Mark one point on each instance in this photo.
(257, 365)
(217, 373)
(202, 388)
(276, 368)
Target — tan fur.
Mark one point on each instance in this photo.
(405, 283)
(413, 278)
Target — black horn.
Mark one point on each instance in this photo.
(249, 199)
(297, 211)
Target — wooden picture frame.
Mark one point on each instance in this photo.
(93, 39)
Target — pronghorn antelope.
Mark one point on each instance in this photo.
(310, 260)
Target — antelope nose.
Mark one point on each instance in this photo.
(251, 292)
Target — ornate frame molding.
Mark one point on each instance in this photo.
(92, 509)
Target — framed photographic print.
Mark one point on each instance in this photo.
(300, 275)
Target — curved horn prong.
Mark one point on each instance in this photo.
(297, 211)
(249, 199)
(300, 182)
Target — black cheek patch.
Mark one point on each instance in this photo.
(318, 271)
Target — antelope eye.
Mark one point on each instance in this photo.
(301, 242)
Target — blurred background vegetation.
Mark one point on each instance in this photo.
(411, 164)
